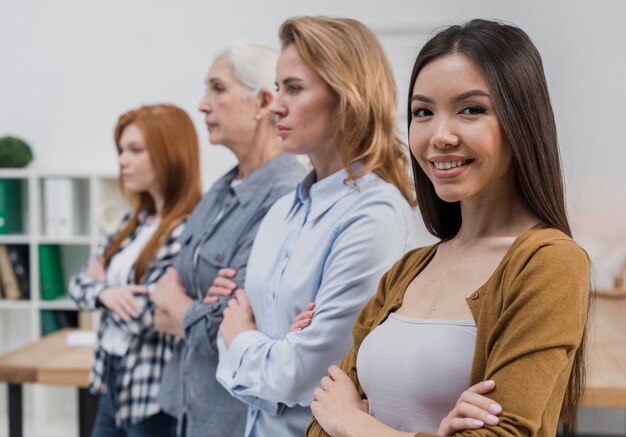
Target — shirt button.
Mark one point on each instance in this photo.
(218, 257)
(234, 374)
(474, 296)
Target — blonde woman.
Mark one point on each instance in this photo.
(330, 241)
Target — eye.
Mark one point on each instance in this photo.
(218, 87)
(472, 110)
(293, 89)
(421, 112)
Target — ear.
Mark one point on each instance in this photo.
(264, 100)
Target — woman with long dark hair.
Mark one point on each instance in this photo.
(504, 295)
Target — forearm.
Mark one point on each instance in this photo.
(361, 424)
(163, 322)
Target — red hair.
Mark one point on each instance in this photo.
(172, 143)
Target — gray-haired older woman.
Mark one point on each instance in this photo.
(220, 233)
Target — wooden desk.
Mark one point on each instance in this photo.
(606, 385)
(49, 361)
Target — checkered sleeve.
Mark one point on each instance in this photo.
(83, 288)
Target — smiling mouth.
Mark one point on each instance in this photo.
(447, 165)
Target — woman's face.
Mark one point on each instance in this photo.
(136, 169)
(455, 134)
(305, 106)
(228, 106)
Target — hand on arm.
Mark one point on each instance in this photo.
(96, 269)
(164, 323)
(122, 300)
(170, 296)
(303, 319)
(472, 410)
(222, 286)
(238, 317)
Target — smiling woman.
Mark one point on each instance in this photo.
(502, 299)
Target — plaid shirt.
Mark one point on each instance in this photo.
(141, 368)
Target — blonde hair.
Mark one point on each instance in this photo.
(349, 58)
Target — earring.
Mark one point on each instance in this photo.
(257, 117)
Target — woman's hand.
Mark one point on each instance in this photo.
(164, 323)
(472, 410)
(96, 269)
(303, 319)
(223, 285)
(238, 317)
(122, 300)
(168, 287)
(337, 401)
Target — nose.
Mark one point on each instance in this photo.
(205, 104)
(278, 107)
(444, 134)
(122, 159)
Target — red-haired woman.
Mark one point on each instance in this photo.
(159, 172)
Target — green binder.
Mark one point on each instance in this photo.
(51, 279)
(49, 322)
(10, 206)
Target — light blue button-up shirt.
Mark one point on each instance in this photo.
(329, 244)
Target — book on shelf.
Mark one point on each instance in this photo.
(10, 206)
(51, 279)
(53, 320)
(10, 285)
(20, 261)
(60, 215)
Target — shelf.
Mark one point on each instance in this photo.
(71, 241)
(6, 304)
(15, 173)
(57, 304)
(15, 239)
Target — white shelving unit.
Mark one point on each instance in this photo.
(98, 206)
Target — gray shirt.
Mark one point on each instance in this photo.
(219, 233)
(414, 370)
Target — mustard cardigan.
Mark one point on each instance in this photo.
(530, 316)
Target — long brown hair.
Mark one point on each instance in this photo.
(349, 58)
(513, 70)
(172, 143)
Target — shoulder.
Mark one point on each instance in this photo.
(555, 249)
(284, 173)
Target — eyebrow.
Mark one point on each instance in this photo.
(460, 97)
(290, 79)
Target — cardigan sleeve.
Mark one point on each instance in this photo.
(531, 348)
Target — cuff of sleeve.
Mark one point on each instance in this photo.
(230, 357)
(94, 292)
(195, 311)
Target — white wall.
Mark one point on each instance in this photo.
(70, 67)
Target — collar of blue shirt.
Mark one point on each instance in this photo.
(320, 196)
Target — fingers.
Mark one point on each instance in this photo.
(222, 287)
(242, 297)
(210, 299)
(138, 289)
(299, 325)
(326, 382)
(483, 387)
(460, 424)
(484, 403)
(227, 273)
(336, 373)
(469, 411)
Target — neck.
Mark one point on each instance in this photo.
(262, 148)
(158, 200)
(504, 215)
(326, 163)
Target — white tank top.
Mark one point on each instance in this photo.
(414, 370)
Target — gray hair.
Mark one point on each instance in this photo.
(253, 64)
